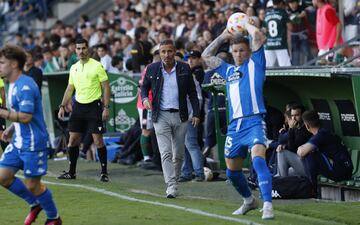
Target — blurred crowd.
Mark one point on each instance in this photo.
(125, 37)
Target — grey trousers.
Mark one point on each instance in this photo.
(287, 159)
(170, 134)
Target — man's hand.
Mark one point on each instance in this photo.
(280, 148)
(195, 121)
(61, 113)
(105, 114)
(293, 123)
(226, 35)
(147, 104)
(7, 134)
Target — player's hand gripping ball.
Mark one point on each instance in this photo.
(236, 23)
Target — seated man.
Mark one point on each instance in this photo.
(296, 136)
(324, 153)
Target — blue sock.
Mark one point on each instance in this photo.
(47, 203)
(19, 189)
(264, 177)
(239, 182)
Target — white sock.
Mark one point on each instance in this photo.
(249, 200)
(146, 157)
(267, 205)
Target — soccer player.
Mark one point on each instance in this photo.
(246, 130)
(277, 24)
(87, 77)
(28, 134)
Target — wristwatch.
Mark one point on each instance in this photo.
(106, 106)
(61, 106)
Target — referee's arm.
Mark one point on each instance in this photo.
(67, 96)
(106, 99)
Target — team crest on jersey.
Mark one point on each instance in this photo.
(235, 76)
(216, 79)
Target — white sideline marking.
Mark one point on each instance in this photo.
(124, 197)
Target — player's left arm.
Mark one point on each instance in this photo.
(20, 117)
(258, 37)
(305, 149)
(106, 99)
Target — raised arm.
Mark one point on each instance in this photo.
(257, 36)
(209, 53)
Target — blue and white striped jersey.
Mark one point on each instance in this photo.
(24, 96)
(244, 86)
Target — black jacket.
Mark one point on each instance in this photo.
(141, 55)
(297, 137)
(154, 79)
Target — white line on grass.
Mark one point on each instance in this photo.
(124, 197)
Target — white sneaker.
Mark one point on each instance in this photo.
(245, 208)
(268, 213)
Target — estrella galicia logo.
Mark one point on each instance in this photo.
(124, 90)
(235, 76)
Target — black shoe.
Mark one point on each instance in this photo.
(199, 179)
(104, 177)
(184, 179)
(67, 176)
(170, 196)
(150, 166)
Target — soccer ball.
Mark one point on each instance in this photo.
(236, 23)
(208, 174)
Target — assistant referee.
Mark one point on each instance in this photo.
(90, 81)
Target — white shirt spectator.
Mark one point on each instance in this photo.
(106, 63)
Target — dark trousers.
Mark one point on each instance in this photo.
(316, 163)
(210, 138)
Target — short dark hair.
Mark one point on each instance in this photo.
(104, 46)
(167, 42)
(139, 31)
(14, 52)
(240, 40)
(82, 41)
(116, 60)
(311, 118)
(277, 2)
(298, 106)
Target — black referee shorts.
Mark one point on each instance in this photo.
(87, 118)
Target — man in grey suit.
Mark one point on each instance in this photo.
(171, 82)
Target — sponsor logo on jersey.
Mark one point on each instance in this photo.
(235, 76)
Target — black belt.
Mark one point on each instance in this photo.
(170, 110)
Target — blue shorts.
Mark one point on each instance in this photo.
(33, 163)
(243, 134)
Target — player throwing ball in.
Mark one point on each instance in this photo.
(244, 84)
(28, 134)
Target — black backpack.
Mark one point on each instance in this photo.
(291, 187)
